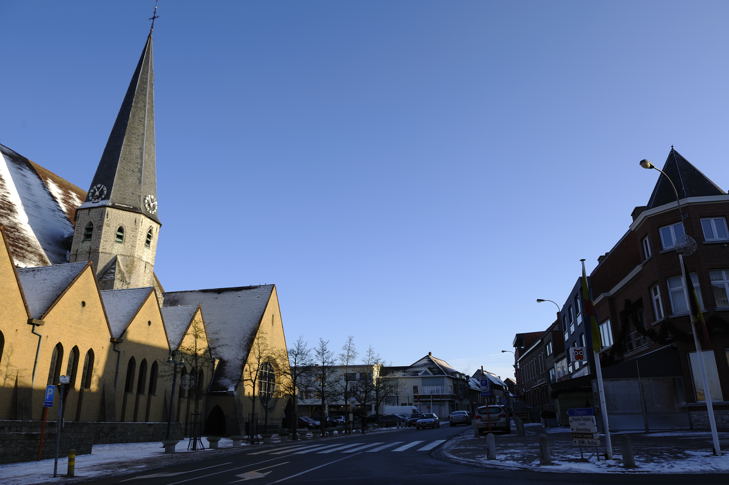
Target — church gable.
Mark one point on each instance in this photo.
(43, 286)
(147, 327)
(121, 306)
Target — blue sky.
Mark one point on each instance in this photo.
(411, 173)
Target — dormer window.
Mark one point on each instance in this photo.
(120, 234)
(148, 241)
(88, 231)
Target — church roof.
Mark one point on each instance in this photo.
(127, 169)
(177, 320)
(121, 306)
(232, 317)
(37, 208)
(43, 285)
(689, 181)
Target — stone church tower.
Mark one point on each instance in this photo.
(117, 227)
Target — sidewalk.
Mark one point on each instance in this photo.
(673, 452)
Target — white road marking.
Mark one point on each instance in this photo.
(340, 448)
(256, 474)
(276, 449)
(312, 469)
(223, 471)
(432, 445)
(281, 452)
(363, 447)
(316, 448)
(172, 474)
(408, 446)
(383, 447)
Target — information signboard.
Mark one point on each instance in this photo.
(486, 388)
(583, 427)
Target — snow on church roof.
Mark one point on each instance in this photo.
(43, 285)
(36, 210)
(121, 306)
(177, 319)
(231, 317)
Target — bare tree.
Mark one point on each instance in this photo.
(364, 390)
(383, 388)
(296, 377)
(346, 359)
(256, 367)
(322, 379)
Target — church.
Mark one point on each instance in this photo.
(81, 299)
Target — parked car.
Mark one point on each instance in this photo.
(459, 417)
(429, 420)
(392, 420)
(413, 419)
(493, 417)
(307, 422)
(335, 421)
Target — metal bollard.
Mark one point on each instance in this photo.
(490, 446)
(545, 454)
(71, 463)
(628, 458)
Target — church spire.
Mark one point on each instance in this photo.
(126, 175)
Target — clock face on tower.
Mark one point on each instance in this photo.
(150, 203)
(97, 192)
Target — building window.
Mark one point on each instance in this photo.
(671, 235)
(549, 348)
(566, 334)
(646, 248)
(657, 303)
(720, 286)
(572, 328)
(679, 305)
(131, 368)
(148, 241)
(582, 340)
(88, 231)
(153, 379)
(88, 370)
(714, 229)
(54, 371)
(267, 380)
(142, 379)
(120, 234)
(552, 376)
(606, 334)
(578, 308)
(72, 366)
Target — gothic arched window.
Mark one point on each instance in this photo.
(54, 370)
(72, 366)
(142, 377)
(131, 367)
(120, 234)
(88, 370)
(148, 241)
(266, 380)
(153, 379)
(2, 345)
(88, 231)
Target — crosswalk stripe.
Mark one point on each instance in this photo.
(276, 449)
(363, 447)
(339, 448)
(384, 447)
(317, 448)
(281, 452)
(408, 446)
(432, 445)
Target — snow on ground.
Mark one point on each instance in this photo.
(519, 455)
(103, 460)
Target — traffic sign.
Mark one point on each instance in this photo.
(50, 394)
(580, 412)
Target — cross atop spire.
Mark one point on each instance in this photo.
(154, 16)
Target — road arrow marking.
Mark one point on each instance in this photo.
(172, 474)
(255, 474)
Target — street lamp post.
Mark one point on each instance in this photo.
(687, 247)
(542, 300)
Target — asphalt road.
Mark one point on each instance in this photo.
(400, 457)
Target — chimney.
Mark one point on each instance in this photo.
(637, 211)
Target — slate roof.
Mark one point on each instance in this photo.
(127, 168)
(121, 306)
(232, 317)
(37, 208)
(43, 285)
(434, 365)
(689, 181)
(177, 321)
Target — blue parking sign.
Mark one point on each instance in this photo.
(50, 394)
